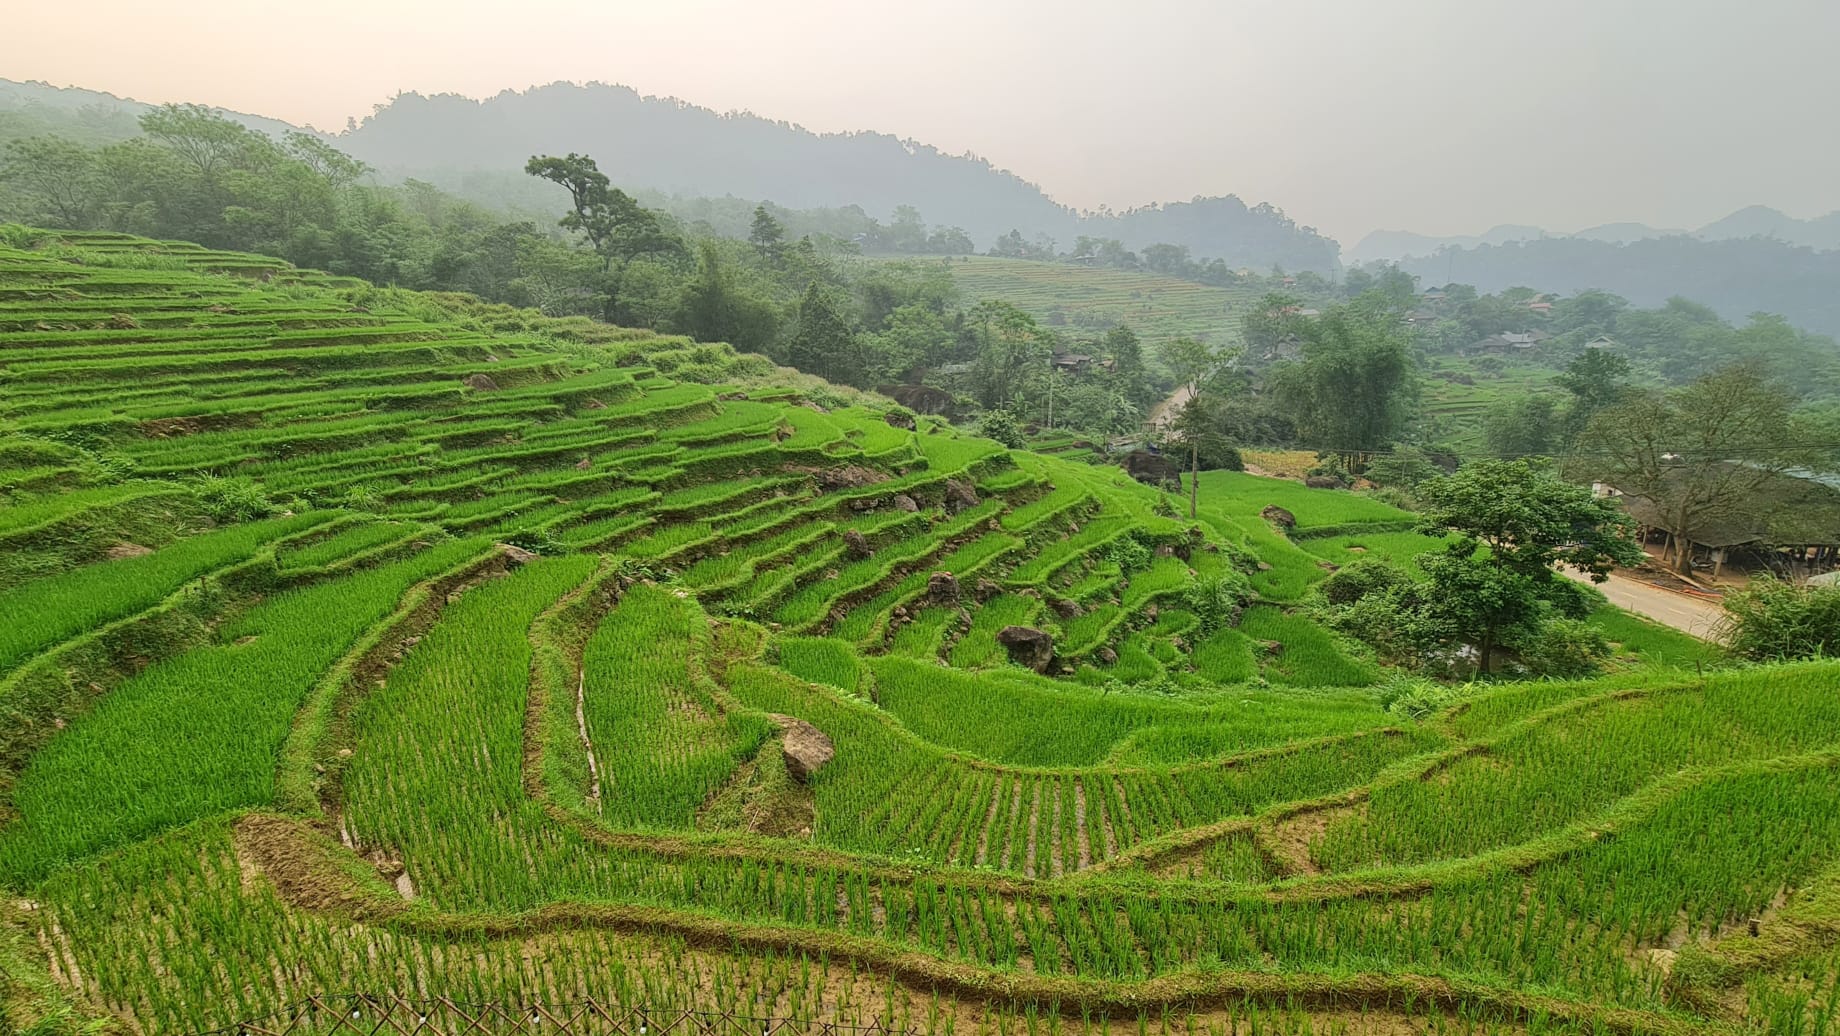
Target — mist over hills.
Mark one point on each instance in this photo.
(671, 146)
(1756, 259)
(477, 149)
(1822, 233)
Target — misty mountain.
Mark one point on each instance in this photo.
(1735, 276)
(89, 116)
(1821, 233)
(676, 148)
(1395, 244)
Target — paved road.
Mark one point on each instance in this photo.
(1687, 614)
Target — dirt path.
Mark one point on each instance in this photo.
(1165, 412)
(1687, 614)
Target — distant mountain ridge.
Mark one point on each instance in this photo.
(1821, 233)
(477, 148)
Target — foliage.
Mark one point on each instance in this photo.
(1217, 600)
(231, 499)
(1351, 387)
(1698, 455)
(1563, 648)
(1771, 620)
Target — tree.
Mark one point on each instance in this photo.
(207, 141)
(767, 235)
(1350, 389)
(1127, 353)
(824, 343)
(618, 228)
(1698, 455)
(1196, 368)
(55, 178)
(1525, 426)
(1596, 378)
(1514, 523)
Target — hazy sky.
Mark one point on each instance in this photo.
(1442, 116)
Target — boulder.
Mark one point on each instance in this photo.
(1028, 646)
(960, 495)
(729, 397)
(942, 587)
(921, 399)
(1151, 468)
(849, 476)
(1278, 516)
(896, 419)
(855, 544)
(1322, 482)
(1151, 612)
(1272, 648)
(481, 383)
(986, 589)
(1108, 656)
(1065, 608)
(903, 502)
(516, 555)
(805, 748)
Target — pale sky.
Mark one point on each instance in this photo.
(1440, 116)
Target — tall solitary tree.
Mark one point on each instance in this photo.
(767, 235)
(1197, 369)
(1514, 524)
(617, 227)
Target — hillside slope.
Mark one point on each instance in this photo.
(307, 745)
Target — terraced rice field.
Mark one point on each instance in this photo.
(1078, 299)
(507, 701)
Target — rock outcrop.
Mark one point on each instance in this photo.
(804, 747)
(1028, 646)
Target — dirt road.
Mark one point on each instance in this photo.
(1165, 412)
(1687, 614)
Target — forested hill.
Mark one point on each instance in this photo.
(668, 145)
(1735, 277)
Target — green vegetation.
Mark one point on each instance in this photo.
(515, 659)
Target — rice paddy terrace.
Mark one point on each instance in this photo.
(1086, 299)
(499, 661)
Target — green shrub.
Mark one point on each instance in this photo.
(1772, 620)
(1001, 425)
(1416, 697)
(231, 499)
(1361, 577)
(1564, 648)
(1217, 600)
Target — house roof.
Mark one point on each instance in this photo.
(1795, 508)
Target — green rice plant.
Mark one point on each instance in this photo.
(199, 733)
(1310, 656)
(661, 742)
(42, 613)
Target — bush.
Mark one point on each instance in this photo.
(231, 499)
(1416, 697)
(1361, 577)
(1128, 552)
(1564, 648)
(1001, 425)
(1403, 470)
(1772, 620)
(1218, 600)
